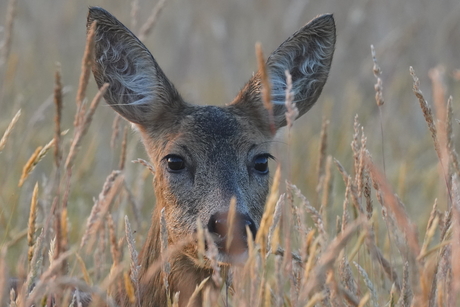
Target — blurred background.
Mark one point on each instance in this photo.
(206, 48)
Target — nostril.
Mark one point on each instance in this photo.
(247, 221)
(218, 224)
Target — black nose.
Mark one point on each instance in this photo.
(219, 226)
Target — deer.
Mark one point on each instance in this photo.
(205, 156)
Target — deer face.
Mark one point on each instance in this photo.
(212, 156)
(205, 155)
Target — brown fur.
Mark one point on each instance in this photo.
(219, 145)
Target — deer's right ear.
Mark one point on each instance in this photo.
(138, 89)
(307, 56)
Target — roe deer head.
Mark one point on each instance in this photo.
(205, 155)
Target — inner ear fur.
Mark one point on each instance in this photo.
(138, 89)
(307, 56)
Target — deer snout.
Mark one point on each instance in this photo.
(219, 226)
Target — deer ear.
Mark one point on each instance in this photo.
(138, 89)
(307, 55)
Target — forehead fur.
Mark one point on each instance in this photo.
(213, 122)
(208, 126)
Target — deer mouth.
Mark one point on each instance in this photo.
(229, 250)
(233, 259)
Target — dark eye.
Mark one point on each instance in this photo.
(175, 163)
(261, 164)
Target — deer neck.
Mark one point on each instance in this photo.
(184, 274)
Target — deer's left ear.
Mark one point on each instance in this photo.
(138, 89)
(307, 55)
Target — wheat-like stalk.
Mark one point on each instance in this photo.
(197, 291)
(211, 254)
(455, 235)
(315, 215)
(3, 277)
(8, 130)
(36, 157)
(348, 280)
(201, 250)
(146, 164)
(114, 251)
(321, 164)
(115, 130)
(84, 270)
(166, 268)
(267, 217)
(13, 298)
(266, 90)
(378, 87)
(328, 258)
(377, 73)
(124, 144)
(86, 64)
(5, 45)
(427, 114)
(105, 198)
(273, 237)
(134, 203)
(134, 14)
(148, 26)
(231, 220)
(57, 119)
(134, 266)
(391, 202)
(31, 223)
(326, 190)
(82, 127)
(450, 137)
(35, 263)
(292, 112)
(368, 283)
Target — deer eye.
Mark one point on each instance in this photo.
(175, 163)
(261, 163)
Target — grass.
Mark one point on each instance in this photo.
(369, 224)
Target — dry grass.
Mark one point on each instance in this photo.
(8, 130)
(266, 85)
(359, 234)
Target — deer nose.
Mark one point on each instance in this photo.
(218, 225)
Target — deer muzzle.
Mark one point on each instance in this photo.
(231, 236)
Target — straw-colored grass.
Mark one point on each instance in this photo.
(332, 234)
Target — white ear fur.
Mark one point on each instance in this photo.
(131, 73)
(312, 62)
(138, 89)
(307, 55)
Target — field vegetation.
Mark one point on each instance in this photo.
(365, 210)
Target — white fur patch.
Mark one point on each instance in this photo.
(130, 72)
(312, 56)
